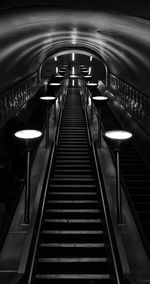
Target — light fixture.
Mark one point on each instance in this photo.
(28, 136)
(49, 100)
(73, 56)
(100, 102)
(115, 139)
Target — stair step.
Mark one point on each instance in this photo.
(72, 163)
(72, 210)
(73, 265)
(72, 205)
(73, 259)
(72, 193)
(71, 251)
(72, 185)
(72, 157)
(67, 139)
(74, 128)
(73, 276)
(72, 176)
(73, 134)
(83, 221)
(80, 171)
(75, 166)
(72, 153)
(72, 179)
(72, 202)
(73, 245)
(81, 148)
(72, 224)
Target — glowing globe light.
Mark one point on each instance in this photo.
(28, 134)
(115, 139)
(59, 76)
(47, 98)
(92, 84)
(100, 98)
(118, 134)
(54, 84)
(73, 76)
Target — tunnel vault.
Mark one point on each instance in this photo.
(77, 50)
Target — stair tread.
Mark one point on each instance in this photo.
(70, 176)
(72, 259)
(72, 179)
(73, 185)
(72, 166)
(76, 232)
(73, 171)
(74, 210)
(73, 276)
(73, 245)
(73, 201)
(73, 157)
(68, 221)
(72, 193)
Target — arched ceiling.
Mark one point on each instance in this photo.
(28, 34)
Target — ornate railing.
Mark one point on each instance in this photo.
(13, 99)
(136, 103)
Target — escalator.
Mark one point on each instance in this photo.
(73, 243)
(136, 179)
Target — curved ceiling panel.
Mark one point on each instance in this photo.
(28, 36)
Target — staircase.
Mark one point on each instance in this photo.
(73, 244)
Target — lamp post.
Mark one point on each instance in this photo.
(85, 72)
(63, 68)
(28, 135)
(54, 87)
(116, 138)
(83, 68)
(100, 102)
(92, 87)
(58, 78)
(61, 72)
(49, 102)
(87, 79)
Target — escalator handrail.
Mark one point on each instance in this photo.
(91, 143)
(52, 152)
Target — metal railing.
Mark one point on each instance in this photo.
(135, 103)
(14, 98)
